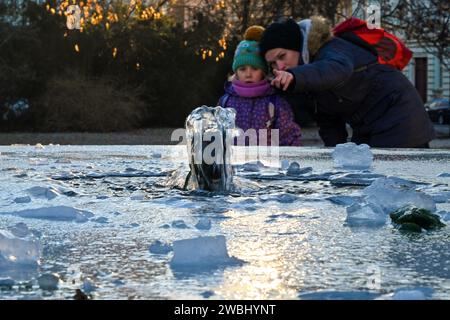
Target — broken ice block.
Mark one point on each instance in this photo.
(15, 250)
(203, 224)
(42, 192)
(395, 193)
(295, 170)
(57, 213)
(366, 214)
(201, 252)
(351, 156)
(158, 247)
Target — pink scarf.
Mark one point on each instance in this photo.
(250, 90)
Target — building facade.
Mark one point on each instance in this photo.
(426, 72)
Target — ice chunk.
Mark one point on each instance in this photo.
(158, 247)
(284, 164)
(394, 193)
(15, 250)
(418, 293)
(100, 175)
(441, 197)
(444, 215)
(365, 214)
(408, 295)
(25, 199)
(253, 166)
(203, 224)
(57, 213)
(351, 156)
(302, 177)
(354, 179)
(70, 193)
(101, 220)
(48, 281)
(444, 175)
(282, 198)
(201, 252)
(42, 192)
(179, 224)
(295, 170)
(438, 193)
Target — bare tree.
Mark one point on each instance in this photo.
(250, 12)
(424, 21)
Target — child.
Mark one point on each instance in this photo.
(257, 104)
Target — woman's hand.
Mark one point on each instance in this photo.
(282, 79)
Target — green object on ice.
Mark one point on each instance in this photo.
(414, 219)
(410, 227)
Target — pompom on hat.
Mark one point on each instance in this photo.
(248, 52)
(254, 33)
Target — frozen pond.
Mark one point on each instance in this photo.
(290, 240)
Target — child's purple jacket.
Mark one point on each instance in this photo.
(253, 113)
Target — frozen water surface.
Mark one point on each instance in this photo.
(289, 231)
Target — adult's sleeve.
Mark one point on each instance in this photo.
(328, 71)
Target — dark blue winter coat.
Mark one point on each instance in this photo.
(344, 84)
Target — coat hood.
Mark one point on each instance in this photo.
(316, 32)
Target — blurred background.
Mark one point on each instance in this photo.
(138, 67)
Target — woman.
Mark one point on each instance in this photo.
(342, 83)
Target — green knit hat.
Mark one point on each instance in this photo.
(247, 51)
